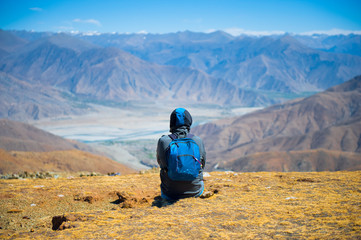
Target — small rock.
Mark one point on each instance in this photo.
(207, 194)
(206, 174)
(89, 199)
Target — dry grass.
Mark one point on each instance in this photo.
(324, 205)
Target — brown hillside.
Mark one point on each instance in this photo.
(17, 136)
(27, 148)
(309, 160)
(329, 120)
(58, 161)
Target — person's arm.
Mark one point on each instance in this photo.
(161, 151)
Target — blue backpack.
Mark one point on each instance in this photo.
(183, 159)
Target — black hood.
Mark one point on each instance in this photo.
(180, 117)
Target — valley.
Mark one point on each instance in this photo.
(129, 134)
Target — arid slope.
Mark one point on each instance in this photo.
(310, 160)
(58, 161)
(27, 148)
(17, 136)
(328, 120)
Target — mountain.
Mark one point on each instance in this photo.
(296, 161)
(283, 65)
(72, 65)
(9, 42)
(274, 63)
(164, 49)
(183, 68)
(328, 120)
(350, 44)
(21, 100)
(27, 148)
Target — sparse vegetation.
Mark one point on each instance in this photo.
(263, 205)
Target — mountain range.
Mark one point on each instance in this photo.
(282, 63)
(56, 74)
(184, 67)
(330, 120)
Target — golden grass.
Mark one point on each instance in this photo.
(324, 205)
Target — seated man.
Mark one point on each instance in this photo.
(174, 185)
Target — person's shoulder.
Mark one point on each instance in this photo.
(165, 139)
(196, 138)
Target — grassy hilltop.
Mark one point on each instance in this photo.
(264, 205)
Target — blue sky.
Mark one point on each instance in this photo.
(158, 16)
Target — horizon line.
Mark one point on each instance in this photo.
(235, 32)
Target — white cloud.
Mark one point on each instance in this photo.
(36, 9)
(90, 21)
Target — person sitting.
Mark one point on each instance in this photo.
(172, 186)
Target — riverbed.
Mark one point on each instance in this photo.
(129, 134)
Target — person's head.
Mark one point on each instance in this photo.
(180, 117)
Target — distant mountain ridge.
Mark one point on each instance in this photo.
(274, 63)
(184, 67)
(71, 65)
(328, 120)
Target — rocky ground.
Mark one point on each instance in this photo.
(264, 205)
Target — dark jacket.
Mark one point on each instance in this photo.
(179, 189)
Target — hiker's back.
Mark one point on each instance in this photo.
(181, 157)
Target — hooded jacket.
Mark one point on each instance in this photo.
(180, 123)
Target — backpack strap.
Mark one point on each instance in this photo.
(173, 136)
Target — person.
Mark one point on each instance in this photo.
(180, 123)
